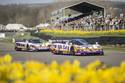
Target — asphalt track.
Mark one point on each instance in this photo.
(111, 57)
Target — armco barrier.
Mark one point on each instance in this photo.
(103, 40)
(112, 40)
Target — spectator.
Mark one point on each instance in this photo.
(91, 23)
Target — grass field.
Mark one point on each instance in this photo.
(120, 49)
(17, 36)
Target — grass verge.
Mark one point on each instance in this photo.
(112, 48)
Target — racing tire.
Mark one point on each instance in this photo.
(102, 53)
(57, 53)
(27, 48)
(18, 49)
(72, 51)
(53, 51)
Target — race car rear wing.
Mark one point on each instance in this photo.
(58, 41)
(19, 40)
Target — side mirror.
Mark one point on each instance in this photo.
(96, 43)
(70, 43)
(27, 41)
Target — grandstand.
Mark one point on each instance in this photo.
(81, 8)
(77, 11)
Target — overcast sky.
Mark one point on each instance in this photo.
(30, 1)
(25, 1)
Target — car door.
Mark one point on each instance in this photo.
(63, 47)
(74, 44)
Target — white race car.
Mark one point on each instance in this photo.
(76, 47)
(31, 45)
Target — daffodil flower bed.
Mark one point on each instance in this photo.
(38, 72)
(78, 33)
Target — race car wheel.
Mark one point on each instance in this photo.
(27, 47)
(57, 52)
(72, 51)
(53, 51)
(102, 53)
(18, 49)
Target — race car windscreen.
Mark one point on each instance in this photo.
(79, 42)
(83, 41)
(36, 41)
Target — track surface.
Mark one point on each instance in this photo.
(111, 57)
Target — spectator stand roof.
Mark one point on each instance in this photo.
(82, 3)
(85, 7)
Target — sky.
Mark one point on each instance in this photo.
(24, 1)
(31, 1)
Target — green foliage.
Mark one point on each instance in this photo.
(77, 33)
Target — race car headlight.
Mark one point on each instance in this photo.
(90, 47)
(84, 48)
(47, 44)
(98, 47)
(52, 46)
(42, 45)
(95, 47)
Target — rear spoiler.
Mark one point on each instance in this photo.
(23, 40)
(58, 41)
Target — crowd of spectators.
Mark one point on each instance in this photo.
(91, 23)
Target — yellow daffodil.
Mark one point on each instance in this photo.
(7, 58)
(38, 72)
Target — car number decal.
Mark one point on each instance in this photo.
(59, 47)
(63, 47)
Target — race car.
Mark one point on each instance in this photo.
(31, 45)
(76, 47)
